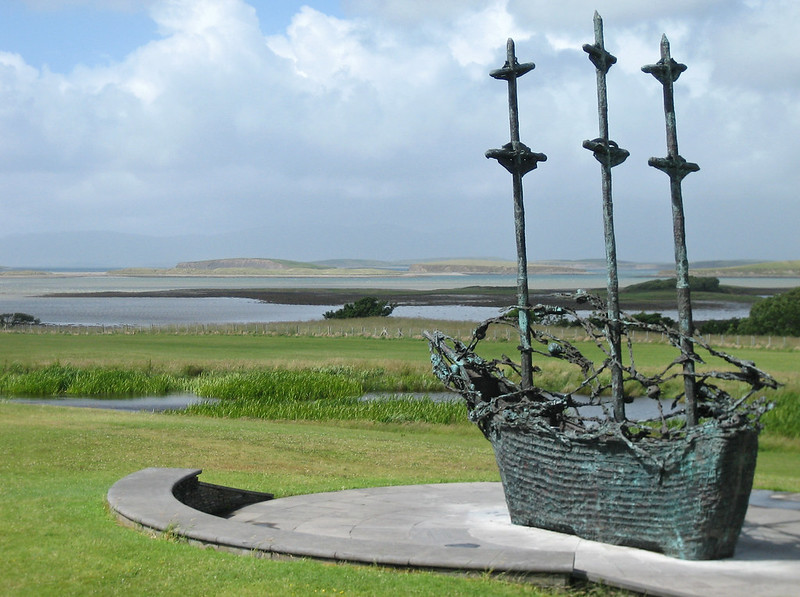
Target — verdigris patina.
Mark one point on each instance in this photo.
(677, 482)
(667, 71)
(609, 154)
(518, 159)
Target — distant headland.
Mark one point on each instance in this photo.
(258, 266)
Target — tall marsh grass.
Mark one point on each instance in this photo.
(329, 393)
(784, 419)
(287, 385)
(395, 410)
(332, 393)
(315, 394)
(66, 380)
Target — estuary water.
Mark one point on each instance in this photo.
(639, 409)
(147, 403)
(30, 294)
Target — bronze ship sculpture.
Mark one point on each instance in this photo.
(678, 482)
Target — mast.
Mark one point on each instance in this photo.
(667, 71)
(609, 154)
(518, 159)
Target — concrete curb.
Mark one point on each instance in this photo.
(458, 527)
(146, 500)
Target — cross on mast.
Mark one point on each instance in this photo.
(609, 155)
(518, 159)
(667, 71)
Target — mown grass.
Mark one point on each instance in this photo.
(778, 465)
(174, 352)
(60, 539)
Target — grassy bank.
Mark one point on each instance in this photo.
(315, 344)
(253, 373)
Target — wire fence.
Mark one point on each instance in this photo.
(387, 328)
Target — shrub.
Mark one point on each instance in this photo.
(654, 319)
(369, 306)
(778, 315)
(696, 283)
(11, 319)
(720, 326)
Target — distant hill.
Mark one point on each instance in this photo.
(770, 269)
(250, 266)
(246, 263)
(361, 264)
(490, 267)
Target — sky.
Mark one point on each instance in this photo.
(335, 129)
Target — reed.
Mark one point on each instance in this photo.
(390, 410)
(277, 384)
(119, 365)
(68, 380)
(115, 382)
(327, 394)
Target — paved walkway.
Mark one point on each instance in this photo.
(465, 526)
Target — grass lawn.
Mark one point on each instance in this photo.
(208, 350)
(60, 539)
(58, 463)
(778, 465)
(238, 351)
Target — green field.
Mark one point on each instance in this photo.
(771, 268)
(208, 350)
(59, 462)
(317, 343)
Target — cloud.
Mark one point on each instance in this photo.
(323, 49)
(113, 5)
(404, 13)
(379, 117)
(475, 35)
(758, 49)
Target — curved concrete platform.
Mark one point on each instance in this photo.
(453, 527)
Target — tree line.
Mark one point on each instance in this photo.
(778, 315)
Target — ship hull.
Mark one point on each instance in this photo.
(685, 497)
